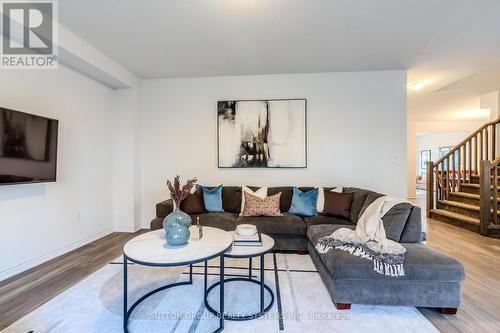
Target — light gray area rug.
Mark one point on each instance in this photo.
(303, 305)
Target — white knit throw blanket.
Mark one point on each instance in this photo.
(369, 240)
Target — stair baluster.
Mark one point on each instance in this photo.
(465, 192)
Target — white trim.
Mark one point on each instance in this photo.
(9, 272)
(127, 228)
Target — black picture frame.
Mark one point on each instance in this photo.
(262, 100)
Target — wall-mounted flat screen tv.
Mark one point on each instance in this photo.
(28, 148)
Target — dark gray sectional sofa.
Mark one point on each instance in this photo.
(431, 278)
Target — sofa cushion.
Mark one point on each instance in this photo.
(231, 199)
(225, 221)
(422, 263)
(323, 219)
(413, 232)
(287, 224)
(394, 220)
(286, 196)
(164, 208)
(156, 224)
(315, 232)
(358, 201)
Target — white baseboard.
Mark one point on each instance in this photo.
(127, 228)
(9, 272)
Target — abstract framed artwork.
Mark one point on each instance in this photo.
(262, 133)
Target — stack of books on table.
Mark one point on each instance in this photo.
(254, 240)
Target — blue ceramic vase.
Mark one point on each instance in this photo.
(176, 226)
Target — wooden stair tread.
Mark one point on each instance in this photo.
(469, 185)
(468, 195)
(477, 176)
(460, 205)
(474, 185)
(457, 216)
(465, 195)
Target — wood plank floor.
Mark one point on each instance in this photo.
(480, 310)
(21, 294)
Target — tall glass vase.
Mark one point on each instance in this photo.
(176, 226)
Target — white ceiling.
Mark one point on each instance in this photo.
(440, 41)
(481, 83)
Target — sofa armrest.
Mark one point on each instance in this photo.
(164, 208)
(156, 224)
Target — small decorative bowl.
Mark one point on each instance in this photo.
(246, 230)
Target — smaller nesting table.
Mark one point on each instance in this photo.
(246, 252)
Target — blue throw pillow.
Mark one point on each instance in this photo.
(304, 203)
(212, 198)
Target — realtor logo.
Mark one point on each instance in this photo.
(29, 34)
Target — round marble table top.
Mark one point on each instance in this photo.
(152, 248)
(251, 251)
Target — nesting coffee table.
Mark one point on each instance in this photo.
(245, 252)
(151, 249)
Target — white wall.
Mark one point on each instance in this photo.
(491, 101)
(433, 134)
(423, 127)
(41, 221)
(356, 131)
(411, 146)
(433, 141)
(356, 137)
(126, 160)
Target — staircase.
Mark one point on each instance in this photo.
(463, 186)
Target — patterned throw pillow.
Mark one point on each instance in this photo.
(261, 193)
(255, 206)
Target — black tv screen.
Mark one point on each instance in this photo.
(28, 148)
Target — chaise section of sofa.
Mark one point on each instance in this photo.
(431, 279)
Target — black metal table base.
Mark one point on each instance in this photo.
(260, 282)
(128, 311)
